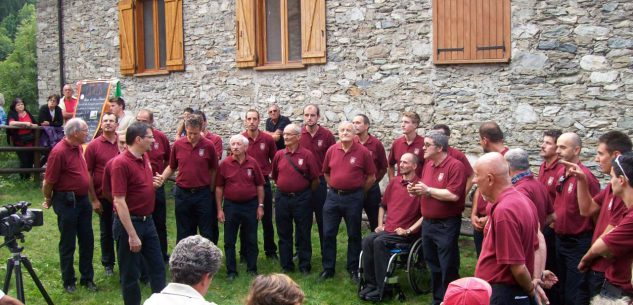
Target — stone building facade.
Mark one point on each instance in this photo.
(571, 68)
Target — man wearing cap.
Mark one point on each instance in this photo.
(409, 142)
(275, 125)
(468, 291)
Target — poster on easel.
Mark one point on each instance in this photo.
(93, 96)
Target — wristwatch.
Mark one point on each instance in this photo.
(261, 205)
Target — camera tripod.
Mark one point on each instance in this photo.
(14, 264)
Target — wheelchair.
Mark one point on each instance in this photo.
(403, 256)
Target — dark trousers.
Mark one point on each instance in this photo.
(160, 220)
(288, 209)
(267, 224)
(74, 220)
(317, 200)
(371, 204)
(26, 161)
(613, 292)
(337, 207)
(478, 238)
(510, 295)
(130, 262)
(551, 264)
(574, 285)
(240, 216)
(441, 253)
(376, 254)
(196, 211)
(595, 281)
(105, 228)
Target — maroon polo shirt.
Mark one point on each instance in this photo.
(193, 163)
(106, 186)
(97, 154)
(620, 243)
(263, 150)
(538, 194)
(612, 209)
(403, 210)
(132, 177)
(510, 238)
(66, 169)
(159, 154)
(377, 151)
(568, 219)
(547, 176)
(461, 157)
(449, 175)
(348, 170)
(240, 181)
(482, 204)
(287, 179)
(317, 144)
(400, 146)
(217, 143)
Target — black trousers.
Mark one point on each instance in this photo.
(337, 207)
(196, 211)
(570, 249)
(105, 228)
(510, 295)
(26, 161)
(371, 205)
(317, 200)
(441, 253)
(376, 254)
(295, 209)
(240, 216)
(270, 248)
(160, 220)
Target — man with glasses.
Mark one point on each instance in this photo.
(275, 125)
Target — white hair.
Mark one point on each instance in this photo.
(239, 137)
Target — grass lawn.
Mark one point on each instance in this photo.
(41, 247)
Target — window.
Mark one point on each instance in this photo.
(280, 34)
(471, 31)
(150, 36)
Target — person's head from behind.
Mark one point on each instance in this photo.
(194, 261)
(274, 289)
(467, 291)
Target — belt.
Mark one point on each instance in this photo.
(579, 235)
(344, 192)
(292, 194)
(137, 218)
(437, 220)
(194, 190)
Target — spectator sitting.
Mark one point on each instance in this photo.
(51, 114)
(3, 115)
(468, 291)
(274, 289)
(193, 264)
(20, 117)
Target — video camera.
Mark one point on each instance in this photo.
(16, 218)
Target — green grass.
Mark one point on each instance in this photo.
(41, 247)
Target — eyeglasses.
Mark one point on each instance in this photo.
(427, 145)
(148, 137)
(617, 161)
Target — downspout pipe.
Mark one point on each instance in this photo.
(60, 32)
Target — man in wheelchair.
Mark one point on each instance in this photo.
(400, 227)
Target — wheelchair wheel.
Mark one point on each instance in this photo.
(417, 271)
(361, 276)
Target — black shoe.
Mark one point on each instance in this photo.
(109, 271)
(326, 274)
(353, 275)
(272, 256)
(90, 286)
(70, 288)
(231, 277)
(373, 296)
(363, 292)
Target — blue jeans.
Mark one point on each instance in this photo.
(570, 249)
(337, 207)
(288, 209)
(441, 253)
(371, 204)
(196, 211)
(105, 228)
(240, 216)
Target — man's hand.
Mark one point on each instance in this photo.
(474, 220)
(96, 206)
(539, 293)
(260, 212)
(47, 203)
(158, 181)
(135, 243)
(482, 221)
(574, 170)
(221, 216)
(379, 229)
(401, 232)
(548, 279)
(418, 189)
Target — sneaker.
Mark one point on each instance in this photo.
(90, 286)
(363, 292)
(70, 288)
(373, 296)
(109, 271)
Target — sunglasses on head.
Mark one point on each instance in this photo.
(561, 181)
(617, 161)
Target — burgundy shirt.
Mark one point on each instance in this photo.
(132, 177)
(66, 169)
(510, 238)
(538, 194)
(547, 176)
(482, 204)
(317, 144)
(287, 179)
(620, 243)
(612, 209)
(97, 154)
(106, 186)
(159, 154)
(240, 181)
(377, 151)
(461, 157)
(263, 150)
(217, 143)
(193, 163)
(399, 147)
(348, 170)
(403, 210)
(568, 219)
(449, 175)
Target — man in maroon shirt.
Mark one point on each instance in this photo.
(65, 188)
(133, 189)
(316, 139)
(98, 153)
(401, 226)
(442, 188)
(240, 184)
(409, 142)
(296, 173)
(106, 186)
(215, 139)
(350, 172)
(371, 203)
(457, 154)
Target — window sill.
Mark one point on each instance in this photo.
(280, 67)
(152, 73)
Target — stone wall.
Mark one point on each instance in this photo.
(571, 68)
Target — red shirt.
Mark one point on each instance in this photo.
(287, 179)
(461, 157)
(400, 146)
(510, 238)
(620, 243)
(240, 181)
(217, 143)
(194, 164)
(538, 194)
(98, 153)
(348, 170)
(612, 209)
(317, 144)
(482, 203)
(377, 151)
(106, 186)
(70, 104)
(159, 154)
(547, 176)
(263, 150)
(403, 210)
(132, 177)
(66, 169)
(568, 219)
(449, 175)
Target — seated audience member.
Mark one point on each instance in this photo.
(193, 264)
(51, 114)
(274, 289)
(468, 291)
(3, 115)
(20, 117)
(180, 130)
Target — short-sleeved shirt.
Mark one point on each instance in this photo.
(461, 157)
(240, 181)
(194, 163)
(287, 179)
(612, 210)
(538, 194)
(317, 144)
(217, 143)
(106, 186)
(98, 153)
(547, 176)
(132, 177)
(403, 210)
(348, 170)
(377, 151)
(448, 175)
(66, 169)
(568, 218)
(482, 204)
(263, 150)
(620, 243)
(125, 121)
(68, 104)
(280, 125)
(400, 147)
(160, 152)
(510, 238)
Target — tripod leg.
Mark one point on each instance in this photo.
(27, 263)
(19, 285)
(7, 277)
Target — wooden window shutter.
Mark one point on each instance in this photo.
(126, 37)
(471, 31)
(175, 59)
(245, 36)
(313, 32)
